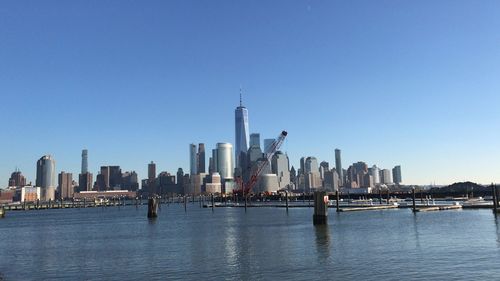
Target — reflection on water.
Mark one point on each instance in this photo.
(322, 234)
(261, 244)
(496, 218)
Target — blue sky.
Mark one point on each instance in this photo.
(414, 83)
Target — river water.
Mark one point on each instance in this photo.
(262, 244)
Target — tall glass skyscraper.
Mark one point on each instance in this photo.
(85, 161)
(46, 177)
(338, 166)
(193, 159)
(242, 134)
(225, 160)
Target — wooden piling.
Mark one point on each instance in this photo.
(495, 199)
(246, 198)
(320, 216)
(152, 208)
(413, 197)
(337, 199)
(286, 199)
(185, 203)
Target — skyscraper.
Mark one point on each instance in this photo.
(242, 136)
(268, 145)
(46, 177)
(85, 163)
(17, 179)
(255, 140)
(151, 171)
(152, 178)
(65, 185)
(193, 159)
(280, 167)
(201, 158)
(225, 160)
(375, 173)
(396, 175)
(338, 166)
(85, 182)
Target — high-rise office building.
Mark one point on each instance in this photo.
(312, 175)
(280, 167)
(242, 136)
(46, 177)
(375, 173)
(17, 179)
(193, 159)
(110, 178)
(255, 140)
(338, 166)
(225, 160)
(201, 158)
(65, 185)
(268, 145)
(396, 175)
(151, 171)
(385, 176)
(85, 161)
(85, 182)
(180, 181)
(152, 178)
(130, 181)
(325, 165)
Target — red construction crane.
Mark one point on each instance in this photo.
(246, 188)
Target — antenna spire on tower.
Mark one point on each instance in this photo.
(241, 98)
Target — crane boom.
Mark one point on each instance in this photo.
(274, 147)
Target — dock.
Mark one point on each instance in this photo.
(439, 208)
(370, 208)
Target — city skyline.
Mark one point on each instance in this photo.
(391, 84)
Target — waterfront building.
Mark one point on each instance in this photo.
(338, 166)
(85, 161)
(30, 194)
(242, 134)
(396, 175)
(214, 185)
(385, 176)
(85, 182)
(196, 183)
(166, 184)
(375, 173)
(46, 177)
(17, 179)
(280, 167)
(268, 183)
(130, 181)
(65, 185)
(193, 159)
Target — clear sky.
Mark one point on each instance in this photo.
(415, 83)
